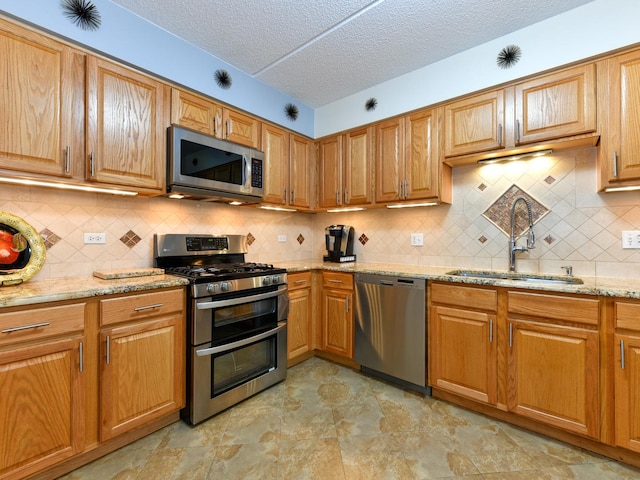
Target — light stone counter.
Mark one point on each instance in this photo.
(610, 287)
(58, 289)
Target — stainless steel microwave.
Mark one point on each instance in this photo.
(202, 167)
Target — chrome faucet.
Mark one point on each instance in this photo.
(531, 238)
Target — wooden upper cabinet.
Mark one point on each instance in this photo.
(240, 128)
(41, 103)
(301, 172)
(619, 101)
(389, 159)
(194, 112)
(557, 105)
(275, 144)
(358, 167)
(475, 124)
(330, 171)
(126, 126)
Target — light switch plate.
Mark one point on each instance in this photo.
(282, 238)
(417, 239)
(631, 239)
(99, 238)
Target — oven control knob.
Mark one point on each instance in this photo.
(225, 286)
(275, 279)
(266, 281)
(212, 288)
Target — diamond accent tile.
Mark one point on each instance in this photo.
(482, 239)
(363, 239)
(549, 179)
(130, 239)
(499, 213)
(300, 239)
(49, 238)
(482, 187)
(549, 239)
(250, 238)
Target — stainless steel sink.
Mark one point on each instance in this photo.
(517, 277)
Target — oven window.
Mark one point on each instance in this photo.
(210, 163)
(243, 319)
(242, 365)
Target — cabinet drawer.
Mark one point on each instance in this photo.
(337, 280)
(627, 315)
(299, 280)
(579, 310)
(137, 307)
(37, 323)
(477, 298)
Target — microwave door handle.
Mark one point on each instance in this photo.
(247, 173)
(240, 300)
(241, 343)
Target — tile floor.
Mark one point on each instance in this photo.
(329, 422)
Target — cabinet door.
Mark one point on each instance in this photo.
(627, 398)
(557, 105)
(389, 159)
(462, 354)
(559, 387)
(337, 322)
(275, 144)
(358, 167)
(475, 124)
(330, 171)
(142, 375)
(194, 112)
(301, 172)
(125, 126)
(621, 142)
(42, 407)
(299, 322)
(422, 155)
(42, 103)
(240, 128)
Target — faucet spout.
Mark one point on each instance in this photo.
(531, 238)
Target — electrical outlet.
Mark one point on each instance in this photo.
(417, 239)
(631, 239)
(95, 238)
(282, 238)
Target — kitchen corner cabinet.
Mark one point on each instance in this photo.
(553, 360)
(289, 172)
(299, 321)
(41, 103)
(463, 341)
(627, 374)
(408, 163)
(549, 108)
(126, 126)
(619, 114)
(42, 384)
(337, 314)
(142, 345)
(345, 166)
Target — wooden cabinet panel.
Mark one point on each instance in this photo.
(337, 280)
(42, 103)
(330, 172)
(556, 105)
(466, 297)
(42, 407)
(275, 144)
(464, 353)
(301, 172)
(241, 128)
(41, 323)
(337, 314)
(140, 306)
(299, 337)
(559, 387)
(571, 309)
(627, 315)
(422, 156)
(627, 391)
(358, 167)
(194, 112)
(126, 126)
(389, 159)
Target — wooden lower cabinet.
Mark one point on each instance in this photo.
(337, 314)
(299, 321)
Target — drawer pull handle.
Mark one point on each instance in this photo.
(81, 354)
(510, 335)
(108, 350)
(298, 282)
(148, 307)
(491, 330)
(335, 281)
(622, 354)
(25, 327)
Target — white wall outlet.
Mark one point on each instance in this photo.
(417, 239)
(282, 238)
(95, 238)
(631, 239)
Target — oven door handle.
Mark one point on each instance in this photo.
(240, 300)
(241, 343)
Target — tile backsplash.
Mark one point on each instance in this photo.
(581, 228)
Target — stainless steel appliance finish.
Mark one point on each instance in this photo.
(391, 337)
(206, 168)
(237, 320)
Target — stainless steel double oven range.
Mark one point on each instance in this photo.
(236, 320)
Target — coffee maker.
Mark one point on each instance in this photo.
(339, 243)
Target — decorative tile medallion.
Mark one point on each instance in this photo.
(363, 239)
(130, 239)
(250, 238)
(549, 239)
(482, 187)
(499, 213)
(549, 179)
(49, 238)
(300, 239)
(482, 239)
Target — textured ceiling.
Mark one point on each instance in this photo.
(319, 51)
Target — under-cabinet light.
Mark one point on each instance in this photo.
(622, 189)
(411, 205)
(66, 186)
(346, 209)
(178, 196)
(236, 202)
(278, 209)
(520, 156)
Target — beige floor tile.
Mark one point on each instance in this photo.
(310, 460)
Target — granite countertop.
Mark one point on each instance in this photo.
(58, 289)
(611, 287)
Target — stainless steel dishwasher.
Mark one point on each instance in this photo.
(391, 329)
